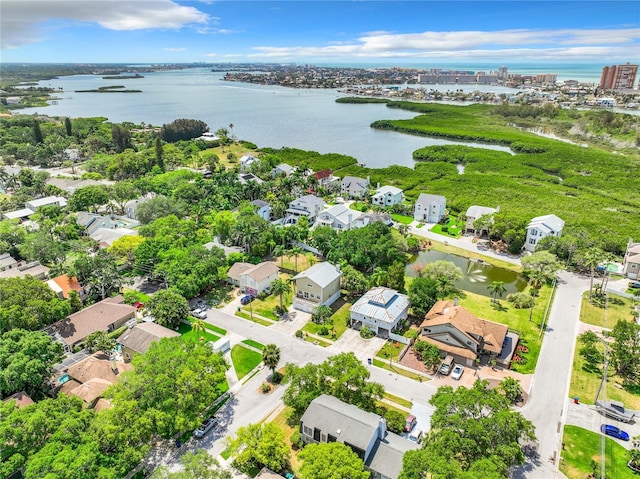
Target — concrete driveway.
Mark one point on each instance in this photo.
(586, 416)
(350, 341)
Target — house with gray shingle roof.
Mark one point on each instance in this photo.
(253, 278)
(354, 187)
(316, 286)
(328, 419)
(138, 339)
(430, 208)
(381, 310)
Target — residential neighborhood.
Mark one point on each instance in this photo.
(259, 298)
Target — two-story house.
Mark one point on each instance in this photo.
(316, 286)
(309, 205)
(475, 212)
(339, 217)
(381, 310)
(263, 210)
(281, 170)
(631, 262)
(386, 196)
(430, 208)
(328, 419)
(253, 279)
(541, 227)
(246, 161)
(354, 187)
(459, 333)
(138, 339)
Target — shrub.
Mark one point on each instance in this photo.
(520, 300)
(265, 388)
(324, 331)
(299, 333)
(296, 440)
(366, 333)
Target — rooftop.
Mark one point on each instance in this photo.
(320, 273)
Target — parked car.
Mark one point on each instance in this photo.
(199, 313)
(446, 366)
(614, 431)
(415, 436)
(457, 372)
(634, 284)
(206, 426)
(246, 299)
(410, 424)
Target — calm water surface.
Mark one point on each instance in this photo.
(273, 116)
(477, 276)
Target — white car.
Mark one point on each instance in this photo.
(457, 372)
(415, 436)
(205, 427)
(199, 313)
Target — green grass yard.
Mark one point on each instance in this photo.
(454, 228)
(247, 316)
(618, 308)
(339, 322)
(187, 332)
(244, 360)
(252, 343)
(581, 447)
(402, 219)
(391, 349)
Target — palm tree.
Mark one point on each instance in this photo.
(280, 287)
(198, 327)
(497, 289)
(591, 258)
(379, 277)
(296, 250)
(271, 357)
(279, 251)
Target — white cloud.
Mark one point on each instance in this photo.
(562, 44)
(22, 20)
(173, 49)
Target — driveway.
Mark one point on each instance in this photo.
(350, 341)
(586, 416)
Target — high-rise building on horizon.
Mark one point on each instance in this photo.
(618, 77)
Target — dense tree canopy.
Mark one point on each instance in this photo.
(331, 460)
(182, 129)
(259, 445)
(28, 303)
(423, 294)
(342, 376)
(472, 430)
(26, 361)
(168, 307)
(198, 465)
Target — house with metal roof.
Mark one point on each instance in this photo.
(541, 227)
(429, 208)
(316, 286)
(328, 419)
(381, 310)
(339, 217)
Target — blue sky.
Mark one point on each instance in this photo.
(319, 32)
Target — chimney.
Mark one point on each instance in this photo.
(382, 428)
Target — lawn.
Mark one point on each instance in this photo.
(515, 319)
(265, 307)
(402, 219)
(618, 308)
(247, 316)
(316, 341)
(281, 421)
(398, 400)
(215, 329)
(252, 343)
(391, 349)
(402, 372)
(244, 360)
(288, 262)
(584, 384)
(581, 447)
(238, 148)
(222, 293)
(187, 332)
(453, 228)
(339, 321)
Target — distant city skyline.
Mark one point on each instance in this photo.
(384, 32)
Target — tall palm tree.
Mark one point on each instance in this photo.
(197, 325)
(591, 258)
(280, 287)
(279, 251)
(497, 289)
(296, 250)
(379, 277)
(271, 357)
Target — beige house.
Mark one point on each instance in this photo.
(475, 212)
(457, 332)
(253, 278)
(139, 338)
(316, 286)
(631, 263)
(106, 315)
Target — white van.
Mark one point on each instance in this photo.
(447, 366)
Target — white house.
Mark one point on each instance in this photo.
(46, 201)
(631, 263)
(474, 212)
(245, 178)
(263, 210)
(354, 187)
(253, 278)
(387, 196)
(309, 205)
(246, 161)
(316, 286)
(541, 227)
(281, 169)
(430, 208)
(339, 217)
(381, 310)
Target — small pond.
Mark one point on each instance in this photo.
(477, 275)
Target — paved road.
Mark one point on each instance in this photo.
(548, 398)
